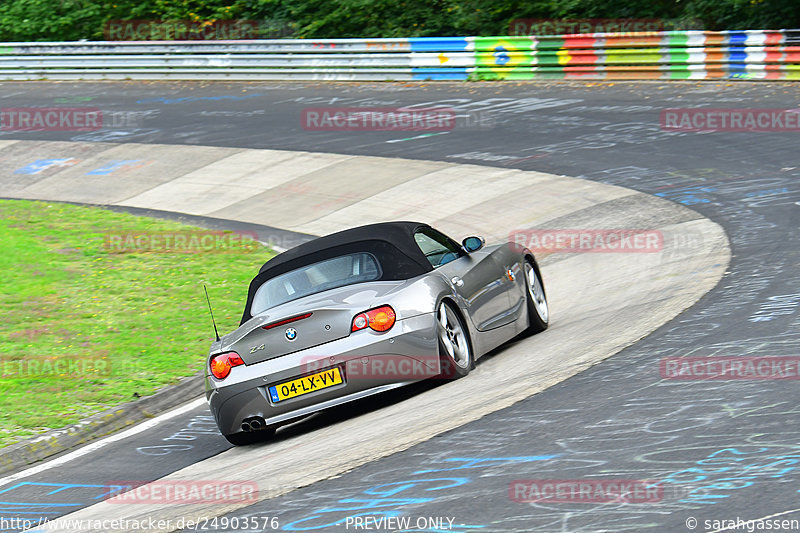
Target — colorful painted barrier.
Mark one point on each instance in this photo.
(750, 54)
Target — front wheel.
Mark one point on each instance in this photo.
(538, 310)
(455, 351)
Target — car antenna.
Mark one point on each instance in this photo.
(212, 312)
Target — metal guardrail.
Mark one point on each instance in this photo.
(751, 54)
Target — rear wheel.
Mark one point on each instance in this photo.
(455, 351)
(538, 310)
(243, 438)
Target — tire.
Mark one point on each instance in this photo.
(455, 350)
(538, 310)
(250, 437)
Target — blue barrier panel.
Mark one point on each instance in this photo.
(737, 55)
(438, 44)
(459, 73)
(737, 37)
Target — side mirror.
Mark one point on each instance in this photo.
(473, 244)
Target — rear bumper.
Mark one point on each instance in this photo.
(370, 363)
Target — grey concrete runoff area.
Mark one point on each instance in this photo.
(586, 402)
(592, 319)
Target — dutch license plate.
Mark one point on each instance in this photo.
(304, 385)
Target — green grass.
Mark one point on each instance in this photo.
(129, 323)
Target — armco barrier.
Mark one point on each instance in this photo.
(749, 54)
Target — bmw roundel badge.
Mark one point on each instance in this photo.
(291, 334)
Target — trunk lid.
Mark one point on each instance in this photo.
(286, 329)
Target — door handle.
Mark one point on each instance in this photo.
(458, 282)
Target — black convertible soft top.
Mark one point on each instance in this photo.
(392, 243)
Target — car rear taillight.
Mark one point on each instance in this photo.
(378, 319)
(222, 363)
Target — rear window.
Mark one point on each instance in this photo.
(316, 277)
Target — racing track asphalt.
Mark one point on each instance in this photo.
(242, 178)
(723, 449)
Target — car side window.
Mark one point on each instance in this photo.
(438, 249)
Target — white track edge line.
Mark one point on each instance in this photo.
(91, 447)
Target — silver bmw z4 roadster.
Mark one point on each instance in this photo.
(363, 311)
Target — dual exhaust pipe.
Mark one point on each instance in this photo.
(254, 423)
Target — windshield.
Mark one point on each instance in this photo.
(317, 277)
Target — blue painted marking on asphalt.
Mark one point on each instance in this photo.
(292, 526)
(687, 195)
(62, 486)
(23, 508)
(480, 462)
(386, 491)
(766, 192)
(424, 135)
(113, 165)
(41, 165)
(403, 485)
